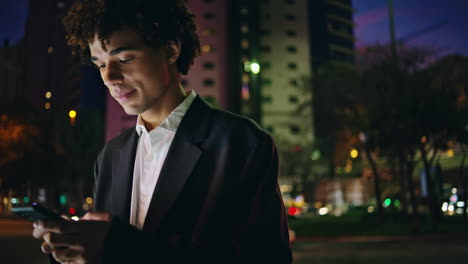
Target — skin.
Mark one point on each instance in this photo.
(145, 82)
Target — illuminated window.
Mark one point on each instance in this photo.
(245, 44)
(207, 48)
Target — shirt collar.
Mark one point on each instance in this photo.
(173, 120)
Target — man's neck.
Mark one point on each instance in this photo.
(169, 101)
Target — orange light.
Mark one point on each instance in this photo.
(47, 106)
(424, 139)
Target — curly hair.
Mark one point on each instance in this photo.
(157, 21)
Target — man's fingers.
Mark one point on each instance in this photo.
(55, 240)
(46, 248)
(67, 255)
(52, 226)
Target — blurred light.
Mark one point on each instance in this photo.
(454, 190)
(323, 211)
(450, 153)
(387, 202)
(75, 218)
(26, 199)
(294, 211)
(245, 92)
(48, 95)
(63, 199)
(244, 11)
(459, 211)
(444, 207)
(451, 208)
(14, 200)
(89, 200)
(85, 207)
(354, 153)
(47, 106)
(370, 209)
(397, 203)
(207, 48)
(315, 155)
(5, 200)
(461, 204)
(299, 201)
(424, 139)
(317, 205)
(247, 66)
(50, 49)
(362, 137)
(454, 198)
(285, 188)
(348, 168)
(72, 211)
(72, 114)
(255, 67)
(4, 117)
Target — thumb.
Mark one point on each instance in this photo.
(97, 216)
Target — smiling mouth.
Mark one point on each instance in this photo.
(124, 96)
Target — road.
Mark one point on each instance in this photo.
(18, 247)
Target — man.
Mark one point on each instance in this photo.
(188, 183)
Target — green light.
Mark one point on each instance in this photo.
(387, 202)
(255, 67)
(397, 203)
(247, 66)
(63, 199)
(315, 155)
(26, 199)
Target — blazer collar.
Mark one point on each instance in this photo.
(181, 158)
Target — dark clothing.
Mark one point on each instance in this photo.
(216, 200)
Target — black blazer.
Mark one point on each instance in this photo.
(216, 200)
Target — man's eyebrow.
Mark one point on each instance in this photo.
(116, 51)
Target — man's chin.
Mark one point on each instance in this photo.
(131, 111)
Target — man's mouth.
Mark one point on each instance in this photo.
(123, 96)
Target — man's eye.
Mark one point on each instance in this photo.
(101, 66)
(126, 60)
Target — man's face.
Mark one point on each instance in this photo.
(137, 76)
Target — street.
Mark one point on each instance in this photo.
(18, 247)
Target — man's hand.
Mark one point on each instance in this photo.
(74, 242)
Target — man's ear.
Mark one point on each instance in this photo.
(173, 51)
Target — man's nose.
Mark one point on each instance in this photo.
(112, 75)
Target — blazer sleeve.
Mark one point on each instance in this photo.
(262, 236)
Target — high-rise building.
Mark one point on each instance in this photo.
(51, 74)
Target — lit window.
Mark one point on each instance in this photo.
(245, 28)
(245, 78)
(208, 82)
(207, 48)
(245, 44)
(208, 32)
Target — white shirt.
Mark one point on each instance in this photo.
(150, 155)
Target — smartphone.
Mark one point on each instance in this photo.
(36, 212)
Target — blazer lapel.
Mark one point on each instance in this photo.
(181, 159)
(122, 179)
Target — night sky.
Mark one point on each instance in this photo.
(371, 17)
